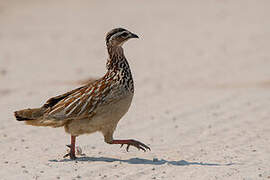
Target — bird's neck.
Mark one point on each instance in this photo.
(116, 57)
(118, 66)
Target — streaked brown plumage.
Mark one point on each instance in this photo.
(97, 106)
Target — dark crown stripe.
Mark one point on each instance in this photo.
(112, 32)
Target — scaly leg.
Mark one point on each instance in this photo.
(71, 154)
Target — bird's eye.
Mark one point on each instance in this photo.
(124, 34)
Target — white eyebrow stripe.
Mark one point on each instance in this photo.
(117, 34)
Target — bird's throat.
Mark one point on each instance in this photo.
(116, 56)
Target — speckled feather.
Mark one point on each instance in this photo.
(82, 102)
(97, 106)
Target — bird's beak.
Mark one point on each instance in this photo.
(133, 35)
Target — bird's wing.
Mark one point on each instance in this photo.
(54, 100)
(78, 103)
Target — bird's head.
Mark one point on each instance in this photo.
(117, 36)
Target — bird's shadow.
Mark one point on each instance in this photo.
(155, 161)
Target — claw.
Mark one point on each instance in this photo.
(141, 146)
(138, 145)
(71, 155)
(127, 147)
(66, 155)
(131, 142)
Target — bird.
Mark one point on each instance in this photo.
(96, 106)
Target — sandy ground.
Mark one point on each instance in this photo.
(202, 83)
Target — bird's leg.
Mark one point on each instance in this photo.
(131, 142)
(71, 153)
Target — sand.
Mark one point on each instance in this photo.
(202, 80)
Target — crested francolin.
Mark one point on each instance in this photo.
(96, 106)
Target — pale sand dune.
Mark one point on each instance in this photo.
(202, 93)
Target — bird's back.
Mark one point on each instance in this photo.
(114, 89)
(81, 103)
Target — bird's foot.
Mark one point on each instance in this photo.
(71, 153)
(137, 144)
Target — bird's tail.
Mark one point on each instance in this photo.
(35, 117)
(29, 114)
